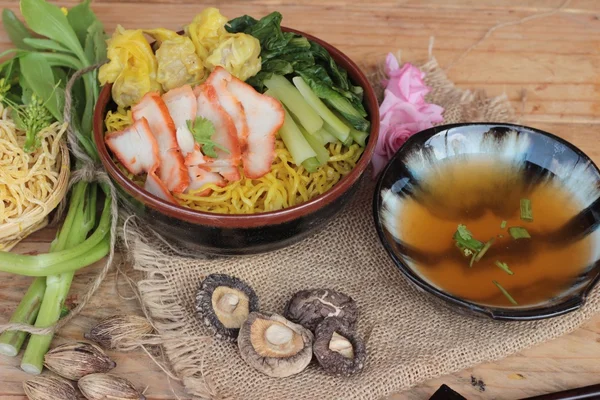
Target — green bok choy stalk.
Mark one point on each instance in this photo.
(65, 43)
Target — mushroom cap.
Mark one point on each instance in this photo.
(335, 357)
(310, 307)
(223, 303)
(275, 346)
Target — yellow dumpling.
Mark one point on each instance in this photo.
(178, 63)
(206, 31)
(161, 34)
(132, 67)
(239, 54)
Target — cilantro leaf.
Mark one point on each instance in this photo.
(202, 130)
(465, 242)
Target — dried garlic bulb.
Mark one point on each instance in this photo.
(78, 359)
(107, 386)
(120, 332)
(49, 388)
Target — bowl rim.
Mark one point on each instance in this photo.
(256, 219)
(576, 301)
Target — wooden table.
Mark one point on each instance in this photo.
(553, 61)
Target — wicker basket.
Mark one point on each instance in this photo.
(37, 218)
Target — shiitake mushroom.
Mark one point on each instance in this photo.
(223, 303)
(275, 346)
(310, 307)
(338, 348)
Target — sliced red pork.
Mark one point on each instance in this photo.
(171, 171)
(264, 116)
(200, 177)
(220, 79)
(225, 132)
(156, 187)
(135, 147)
(182, 105)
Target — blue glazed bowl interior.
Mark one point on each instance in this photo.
(541, 155)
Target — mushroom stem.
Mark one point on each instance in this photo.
(277, 334)
(341, 345)
(228, 302)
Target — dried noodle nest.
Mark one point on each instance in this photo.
(34, 211)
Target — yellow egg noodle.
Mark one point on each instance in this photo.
(285, 186)
(27, 180)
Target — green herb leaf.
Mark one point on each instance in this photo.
(526, 210)
(503, 225)
(46, 44)
(17, 31)
(518, 232)
(96, 30)
(61, 60)
(504, 267)
(484, 250)
(465, 241)
(505, 293)
(37, 73)
(48, 20)
(202, 129)
(81, 18)
(88, 48)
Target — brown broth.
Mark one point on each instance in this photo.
(481, 193)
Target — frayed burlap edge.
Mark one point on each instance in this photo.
(162, 307)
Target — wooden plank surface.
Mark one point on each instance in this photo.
(554, 61)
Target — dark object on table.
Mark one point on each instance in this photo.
(583, 393)
(338, 348)
(310, 307)
(544, 152)
(226, 234)
(445, 393)
(223, 303)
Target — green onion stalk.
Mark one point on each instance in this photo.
(77, 225)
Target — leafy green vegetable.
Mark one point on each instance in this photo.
(287, 94)
(61, 60)
(96, 31)
(340, 129)
(33, 84)
(505, 293)
(202, 130)
(503, 225)
(45, 44)
(16, 30)
(518, 232)
(285, 53)
(48, 20)
(504, 267)
(294, 141)
(81, 18)
(318, 147)
(526, 211)
(37, 73)
(335, 99)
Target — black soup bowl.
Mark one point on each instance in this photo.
(538, 151)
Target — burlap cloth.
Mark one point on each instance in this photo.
(409, 338)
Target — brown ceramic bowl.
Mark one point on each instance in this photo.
(241, 234)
